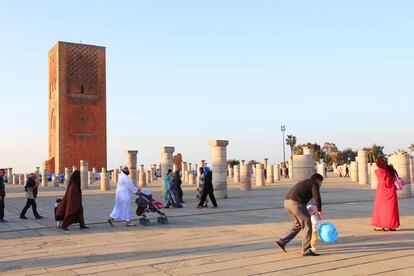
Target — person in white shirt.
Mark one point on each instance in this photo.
(122, 208)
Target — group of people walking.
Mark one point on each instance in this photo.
(69, 210)
(305, 217)
(173, 193)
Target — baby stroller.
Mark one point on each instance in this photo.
(147, 204)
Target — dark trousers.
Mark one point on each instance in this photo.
(180, 193)
(209, 193)
(301, 222)
(30, 202)
(2, 208)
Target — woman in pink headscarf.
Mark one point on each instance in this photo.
(385, 216)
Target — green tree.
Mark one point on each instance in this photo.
(253, 162)
(316, 148)
(375, 152)
(291, 142)
(347, 154)
(233, 162)
(329, 152)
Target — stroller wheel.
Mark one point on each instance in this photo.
(162, 220)
(144, 221)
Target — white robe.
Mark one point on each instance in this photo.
(122, 208)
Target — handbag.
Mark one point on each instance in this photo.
(399, 183)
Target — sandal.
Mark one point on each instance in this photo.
(379, 229)
(110, 222)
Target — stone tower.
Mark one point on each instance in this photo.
(77, 106)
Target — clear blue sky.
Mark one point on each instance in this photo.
(184, 72)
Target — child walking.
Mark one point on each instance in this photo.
(313, 212)
(58, 219)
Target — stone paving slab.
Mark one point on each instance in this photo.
(238, 237)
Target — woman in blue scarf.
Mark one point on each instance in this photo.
(167, 185)
(173, 195)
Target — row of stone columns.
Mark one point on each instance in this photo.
(365, 173)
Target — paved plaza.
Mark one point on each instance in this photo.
(235, 239)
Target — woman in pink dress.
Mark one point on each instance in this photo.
(385, 216)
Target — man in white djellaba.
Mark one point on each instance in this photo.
(122, 208)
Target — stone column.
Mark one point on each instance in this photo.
(236, 171)
(307, 151)
(265, 163)
(105, 184)
(354, 171)
(363, 166)
(230, 172)
(166, 162)
(131, 156)
(303, 165)
(116, 176)
(149, 176)
(37, 172)
(401, 164)
(25, 177)
(269, 173)
(66, 177)
(245, 178)
(290, 167)
(219, 167)
(10, 175)
(276, 172)
(142, 180)
(260, 180)
(84, 174)
(44, 177)
(16, 179)
(55, 181)
(373, 180)
(321, 169)
(91, 178)
(192, 179)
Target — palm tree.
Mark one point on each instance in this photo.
(291, 142)
(411, 147)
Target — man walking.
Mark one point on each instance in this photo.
(2, 195)
(295, 205)
(346, 171)
(31, 194)
(122, 208)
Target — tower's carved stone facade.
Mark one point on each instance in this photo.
(77, 106)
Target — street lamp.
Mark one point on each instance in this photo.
(283, 129)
